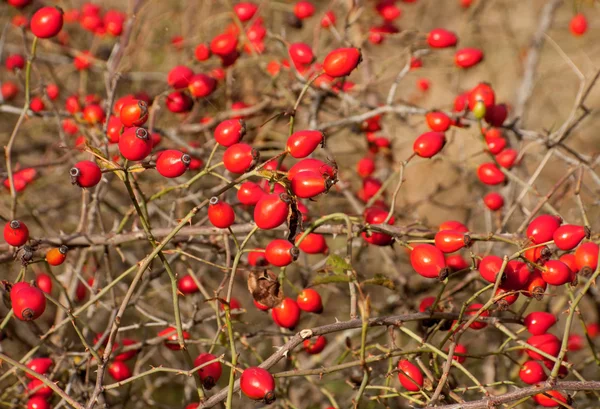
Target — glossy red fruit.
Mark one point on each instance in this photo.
(429, 261)
(38, 402)
(304, 9)
(201, 85)
(549, 402)
(202, 52)
(370, 186)
(44, 282)
(260, 306)
(85, 174)
(441, 38)
(489, 267)
(568, 236)
(134, 113)
(179, 77)
(52, 91)
(575, 342)
(187, 285)
(328, 19)
(461, 102)
(39, 365)
(113, 21)
(570, 261)
(377, 215)
(494, 201)
(234, 304)
(223, 44)
(313, 243)
(126, 355)
(311, 164)
(472, 309)
(505, 298)
(556, 272)
(459, 350)
(315, 346)
(532, 372)
(245, 10)
(578, 25)
(410, 375)
(280, 252)
(586, 258)
(46, 22)
(286, 314)
(496, 114)
(309, 300)
(257, 258)
(547, 343)
(438, 121)
(28, 302)
(536, 286)
(309, 184)
(301, 54)
(450, 241)
(16, 233)
(72, 105)
(489, 174)
(507, 158)
(135, 144)
(93, 114)
(542, 228)
(365, 167)
(302, 143)
(15, 62)
(453, 225)
(250, 193)
(429, 144)
(119, 371)
(341, 62)
(456, 262)
(83, 61)
(272, 210)
(113, 130)
(171, 340)
(240, 157)
(172, 163)
(426, 303)
(220, 213)
(258, 384)
(482, 92)
(495, 145)
(468, 57)
(517, 275)
(57, 255)
(178, 102)
(230, 132)
(424, 84)
(36, 104)
(9, 90)
(37, 388)
(209, 374)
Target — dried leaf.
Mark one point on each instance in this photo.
(381, 280)
(265, 288)
(331, 279)
(337, 264)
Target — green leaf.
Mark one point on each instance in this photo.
(381, 280)
(331, 279)
(337, 265)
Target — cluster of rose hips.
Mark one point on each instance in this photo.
(554, 253)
